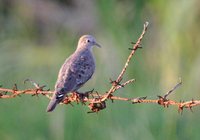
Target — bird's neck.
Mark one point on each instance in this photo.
(84, 50)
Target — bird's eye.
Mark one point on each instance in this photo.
(88, 40)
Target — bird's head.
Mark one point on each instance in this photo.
(87, 42)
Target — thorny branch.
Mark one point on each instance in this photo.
(134, 49)
(97, 101)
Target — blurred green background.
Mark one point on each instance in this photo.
(36, 36)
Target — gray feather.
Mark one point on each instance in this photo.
(75, 72)
(52, 104)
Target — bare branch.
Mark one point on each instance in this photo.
(97, 101)
(134, 49)
(174, 88)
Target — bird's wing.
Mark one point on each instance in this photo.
(66, 79)
(83, 68)
(76, 71)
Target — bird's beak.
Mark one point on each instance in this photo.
(96, 44)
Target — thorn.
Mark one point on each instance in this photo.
(41, 88)
(142, 98)
(89, 92)
(38, 89)
(138, 99)
(97, 94)
(112, 81)
(92, 112)
(193, 102)
(180, 110)
(96, 107)
(26, 81)
(139, 47)
(116, 83)
(190, 107)
(15, 87)
(134, 43)
(71, 104)
(32, 82)
(83, 103)
(163, 101)
(92, 96)
(36, 93)
(80, 97)
(180, 107)
(162, 98)
(131, 49)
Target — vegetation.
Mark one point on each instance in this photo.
(37, 36)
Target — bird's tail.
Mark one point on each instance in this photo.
(52, 104)
(56, 99)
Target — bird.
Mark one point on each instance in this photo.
(77, 69)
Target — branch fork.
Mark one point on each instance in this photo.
(97, 102)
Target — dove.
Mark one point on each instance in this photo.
(75, 72)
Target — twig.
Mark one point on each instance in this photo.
(135, 47)
(174, 88)
(97, 102)
(124, 84)
(15, 93)
(94, 103)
